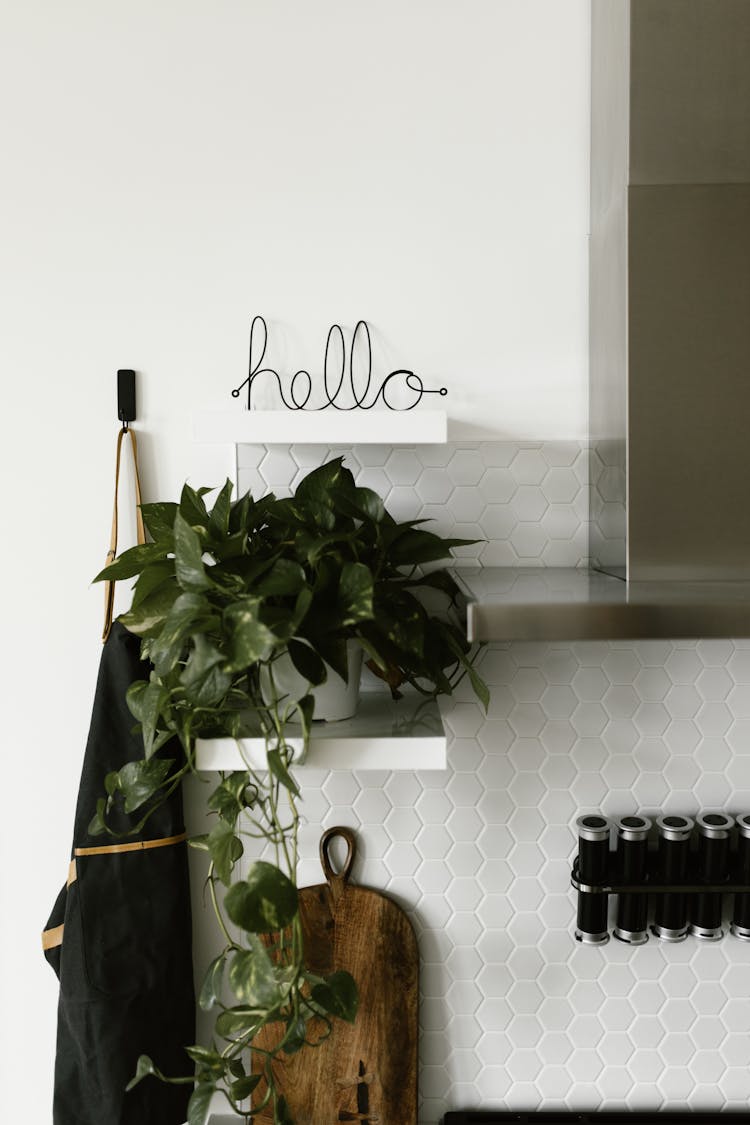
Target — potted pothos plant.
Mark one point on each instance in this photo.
(222, 596)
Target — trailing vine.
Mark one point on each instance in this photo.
(220, 596)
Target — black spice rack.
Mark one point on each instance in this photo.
(681, 882)
(653, 886)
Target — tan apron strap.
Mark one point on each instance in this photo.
(109, 587)
(52, 938)
(135, 846)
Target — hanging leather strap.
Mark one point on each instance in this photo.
(109, 587)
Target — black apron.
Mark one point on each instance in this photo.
(119, 936)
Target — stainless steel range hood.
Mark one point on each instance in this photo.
(669, 339)
(562, 604)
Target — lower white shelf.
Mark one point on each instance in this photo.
(384, 735)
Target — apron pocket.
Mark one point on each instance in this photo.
(134, 910)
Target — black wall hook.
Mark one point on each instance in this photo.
(126, 396)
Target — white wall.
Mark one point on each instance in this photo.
(170, 169)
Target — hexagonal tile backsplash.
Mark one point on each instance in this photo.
(528, 501)
(515, 1013)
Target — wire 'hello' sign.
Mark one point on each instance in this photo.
(358, 392)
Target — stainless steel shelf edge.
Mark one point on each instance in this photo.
(564, 604)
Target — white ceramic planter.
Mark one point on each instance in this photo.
(336, 699)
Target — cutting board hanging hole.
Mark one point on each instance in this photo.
(338, 848)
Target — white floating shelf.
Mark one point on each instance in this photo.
(322, 427)
(383, 735)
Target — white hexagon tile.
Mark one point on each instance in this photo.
(515, 1014)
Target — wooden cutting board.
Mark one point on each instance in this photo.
(366, 1071)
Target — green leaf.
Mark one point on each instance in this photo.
(145, 701)
(151, 579)
(479, 687)
(242, 571)
(416, 546)
(244, 1087)
(192, 507)
(318, 485)
(211, 988)
(459, 647)
(249, 640)
(98, 822)
(190, 614)
(238, 1021)
(200, 1103)
(230, 797)
(294, 1039)
(140, 780)
(148, 617)
(438, 580)
(132, 562)
(362, 504)
(338, 996)
(188, 554)
(203, 677)
(321, 515)
(307, 662)
(285, 577)
(227, 549)
(333, 650)
(218, 521)
(253, 977)
(225, 849)
(302, 607)
(355, 593)
(159, 519)
(306, 710)
(143, 1068)
(207, 1057)
(240, 518)
(314, 546)
(280, 772)
(263, 902)
(377, 658)
(402, 619)
(369, 504)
